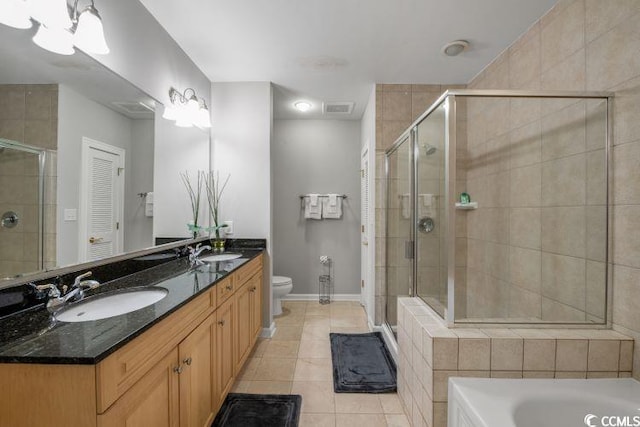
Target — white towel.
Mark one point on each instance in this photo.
(405, 203)
(329, 211)
(312, 211)
(426, 205)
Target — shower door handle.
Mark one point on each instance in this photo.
(408, 249)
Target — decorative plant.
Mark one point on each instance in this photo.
(214, 193)
(194, 192)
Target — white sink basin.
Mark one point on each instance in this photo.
(220, 257)
(110, 305)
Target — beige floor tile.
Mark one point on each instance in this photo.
(316, 331)
(317, 420)
(350, 330)
(269, 387)
(240, 387)
(310, 369)
(281, 349)
(348, 322)
(275, 370)
(316, 309)
(294, 306)
(288, 333)
(290, 319)
(390, 403)
(249, 369)
(397, 420)
(314, 348)
(259, 347)
(316, 321)
(357, 403)
(358, 420)
(317, 396)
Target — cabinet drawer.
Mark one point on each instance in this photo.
(225, 288)
(249, 269)
(121, 370)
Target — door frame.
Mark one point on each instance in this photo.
(87, 145)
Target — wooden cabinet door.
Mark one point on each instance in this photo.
(255, 290)
(152, 401)
(197, 363)
(243, 324)
(225, 330)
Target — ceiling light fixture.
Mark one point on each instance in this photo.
(15, 13)
(58, 30)
(455, 47)
(302, 106)
(187, 109)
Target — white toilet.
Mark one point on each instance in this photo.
(281, 286)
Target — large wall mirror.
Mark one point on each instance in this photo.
(76, 159)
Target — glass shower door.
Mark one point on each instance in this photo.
(431, 260)
(398, 247)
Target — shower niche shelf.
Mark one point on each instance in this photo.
(467, 206)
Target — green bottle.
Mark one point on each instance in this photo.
(465, 198)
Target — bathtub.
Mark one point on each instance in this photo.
(482, 402)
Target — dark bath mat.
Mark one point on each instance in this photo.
(362, 364)
(259, 410)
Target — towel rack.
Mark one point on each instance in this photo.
(342, 196)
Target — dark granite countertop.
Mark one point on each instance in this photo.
(35, 336)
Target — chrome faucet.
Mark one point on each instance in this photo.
(57, 298)
(194, 253)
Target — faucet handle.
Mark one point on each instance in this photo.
(53, 291)
(78, 279)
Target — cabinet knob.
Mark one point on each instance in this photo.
(252, 289)
(187, 361)
(178, 369)
(221, 322)
(229, 287)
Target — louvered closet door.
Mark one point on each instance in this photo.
(103, 200)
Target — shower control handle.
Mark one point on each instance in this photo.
(9, 219)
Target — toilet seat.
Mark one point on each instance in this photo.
(281, 281)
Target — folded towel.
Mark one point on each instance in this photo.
(148, 205)
(329, 211)
(313, 199)
(333, 199)
(311, 211)
(405, 203)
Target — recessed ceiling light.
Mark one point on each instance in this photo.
(455, 47)
(302, 106)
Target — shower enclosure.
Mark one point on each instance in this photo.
(531, 246)
(21, 208)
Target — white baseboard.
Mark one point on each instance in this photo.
(268, 332)
(315, 297)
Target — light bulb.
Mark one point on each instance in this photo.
(193, 106)
(203, 119)
(52, 13)
(302, 106)
(89, 35)
(170, 112)
(54, 40)
(184, 119)
(15, 13)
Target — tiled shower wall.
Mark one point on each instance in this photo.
(28, 114)
(397, 106)
(592, 45)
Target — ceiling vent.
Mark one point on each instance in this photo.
(338, 108)
(134, 107)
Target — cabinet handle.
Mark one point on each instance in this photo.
(221, 322)
(253, 289)
(178, 369)
(187, 361)
(229, 287)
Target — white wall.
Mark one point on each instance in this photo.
(316, 156)
(138, 228)
(179, 150)
(368, 140)
(80, 117)
(241, 140)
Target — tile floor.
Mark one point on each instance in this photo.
(297, 360)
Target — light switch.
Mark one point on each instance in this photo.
(71, 214)
(228, 230)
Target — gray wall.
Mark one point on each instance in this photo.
(138, 228)
(316, 156)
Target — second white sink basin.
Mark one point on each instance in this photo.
(220, 257)
(111, 304)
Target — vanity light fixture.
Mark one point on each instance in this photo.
(58, 30)
(15, 13)
(302, 106)
(187, 109)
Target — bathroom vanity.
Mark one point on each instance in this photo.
(169, 364)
